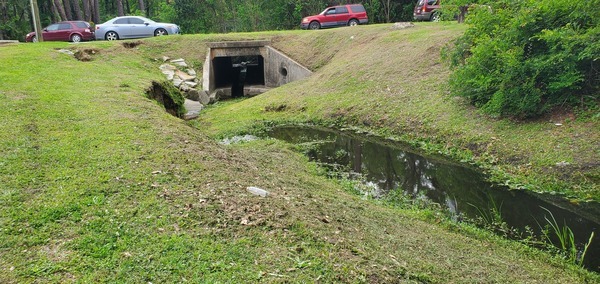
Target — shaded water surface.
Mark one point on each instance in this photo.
(391, 168)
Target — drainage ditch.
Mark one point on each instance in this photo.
(390, 169)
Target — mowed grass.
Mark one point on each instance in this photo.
(100, 184)
(393, 83)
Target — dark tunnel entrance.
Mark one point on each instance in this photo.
(235, 72)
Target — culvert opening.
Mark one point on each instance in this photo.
(235, 72)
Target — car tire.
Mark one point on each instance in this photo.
(76, 38)
(436, 17)
(111, 36)
(314, 25)
(160, 32)
(34, 39)
(353, 22)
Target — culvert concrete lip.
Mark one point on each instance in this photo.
(239, 44)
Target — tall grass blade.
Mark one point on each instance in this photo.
(566, 237)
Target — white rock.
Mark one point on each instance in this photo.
(257, 191)
(203, 97)
(184, 76)
(402, 25)
(179, 62)
(193, 109)
(164, 67)
(66, 51)
(191, 84)
(177, 82)
(169, 74)
(184, 87)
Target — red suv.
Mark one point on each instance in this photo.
(74, 31)
(427, 10)
(343, 15)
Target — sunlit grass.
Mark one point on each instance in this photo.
(100, 184)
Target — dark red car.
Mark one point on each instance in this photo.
(343, 15)
(427, 10)
(74, 31)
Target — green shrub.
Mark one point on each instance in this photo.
(521, 58)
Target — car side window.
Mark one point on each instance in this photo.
(357, 8)
(330, 12)
(136, 21)
(53, 27)
(123, 21)
(82, 25)
(341, 10)
(431, 2)
(64, 26)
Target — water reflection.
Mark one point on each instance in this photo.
(461, 190)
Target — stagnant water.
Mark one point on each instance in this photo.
(388, 167)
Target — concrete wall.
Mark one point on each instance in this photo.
(279, 69)
(208, 77)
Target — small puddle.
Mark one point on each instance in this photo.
(390, 167)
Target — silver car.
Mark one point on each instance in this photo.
(133, 27)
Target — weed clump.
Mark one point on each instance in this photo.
(131, 44)
(85, 55)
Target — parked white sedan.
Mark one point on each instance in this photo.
(133, 27)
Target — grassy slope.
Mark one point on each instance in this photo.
(392, 82)
(99, 184)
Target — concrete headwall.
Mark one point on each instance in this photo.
(279, 69)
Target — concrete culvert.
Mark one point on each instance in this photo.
(247, 68)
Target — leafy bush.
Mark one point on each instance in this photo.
(521, 58)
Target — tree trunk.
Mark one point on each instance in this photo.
(87, 12)
(77, 10)
(54, 16)
(68, 9)
(60, 9)
(127, 7)
(142, 7)
(3, 16)
(120, 10)
(96, 9)
(463, 13)
(387, 9)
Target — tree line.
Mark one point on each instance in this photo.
(193, 16)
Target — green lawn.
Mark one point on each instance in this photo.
(100, 184)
